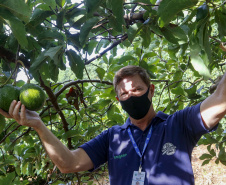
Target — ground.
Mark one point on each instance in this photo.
(210, 174)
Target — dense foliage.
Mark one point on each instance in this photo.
(73, 49)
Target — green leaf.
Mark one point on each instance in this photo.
(169, 8)
(73, 39)
(212, 152)
(102, 44)
(133, 30)
(205, 156)
(53, 52)
(146, 36)
(220, 17)
(8, 179)
(71, 133)
(51, 3)
(189, 17)
(76, 63)
(38, 62)
(100, 73)
(24, 167)
(199, 66)
(205, 162)
(178, 76)
(191, 90)
(179, 34)
(16, 26)
(86, 28)
(2, 123)
(54, 71)
(57, 182)
(168, 34)
(39, 16)
(197, 61)
(76, 17)
(92, 130)
(113, 114)
(92, 5)
(90, 182)
(114, 24)
(118, 12)
(126, 58)
(19, 8)
(60, 2)
(60, 19)
(90, 48)
(207, 47)
(222, 153)
(210, 139)
(50, 35)
(178, 90)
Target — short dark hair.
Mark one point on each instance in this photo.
(129, 71)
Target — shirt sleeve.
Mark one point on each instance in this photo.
(97, 149)
(192, 120)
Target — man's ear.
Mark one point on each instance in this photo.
(152, 89)
(116, 98)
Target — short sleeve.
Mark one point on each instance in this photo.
(97, 149)
(192, 120)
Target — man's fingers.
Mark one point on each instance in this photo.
(16, 114)
(23, 114)
(11, 108)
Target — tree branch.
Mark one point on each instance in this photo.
(4, 138)
(53, 99)
(80, 81)
(28, 130)
(124, 37)
(131, 17)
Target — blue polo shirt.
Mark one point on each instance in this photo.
(167, 158)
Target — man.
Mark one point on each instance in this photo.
(151, 147)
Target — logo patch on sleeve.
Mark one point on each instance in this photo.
(168, 149)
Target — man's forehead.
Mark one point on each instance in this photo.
(126, 84)
(130, 82)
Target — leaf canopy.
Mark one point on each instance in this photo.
(73, 49)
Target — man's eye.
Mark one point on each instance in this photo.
(123, 94)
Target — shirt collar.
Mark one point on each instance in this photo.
(126, 124)
(160, 115)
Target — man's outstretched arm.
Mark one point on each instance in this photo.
(66, 160)
(213, 108)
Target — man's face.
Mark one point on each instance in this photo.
(132, 86)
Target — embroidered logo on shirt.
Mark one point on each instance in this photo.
(168, 149)
(120, 156)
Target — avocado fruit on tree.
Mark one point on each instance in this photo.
(32, 96)
(8, 93)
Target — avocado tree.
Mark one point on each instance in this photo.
(72, 50)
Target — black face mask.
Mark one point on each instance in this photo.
(137, 106)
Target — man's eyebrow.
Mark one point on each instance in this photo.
(138, 86)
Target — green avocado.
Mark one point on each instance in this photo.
(8, 93)
(32, 96)
(202, 12)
